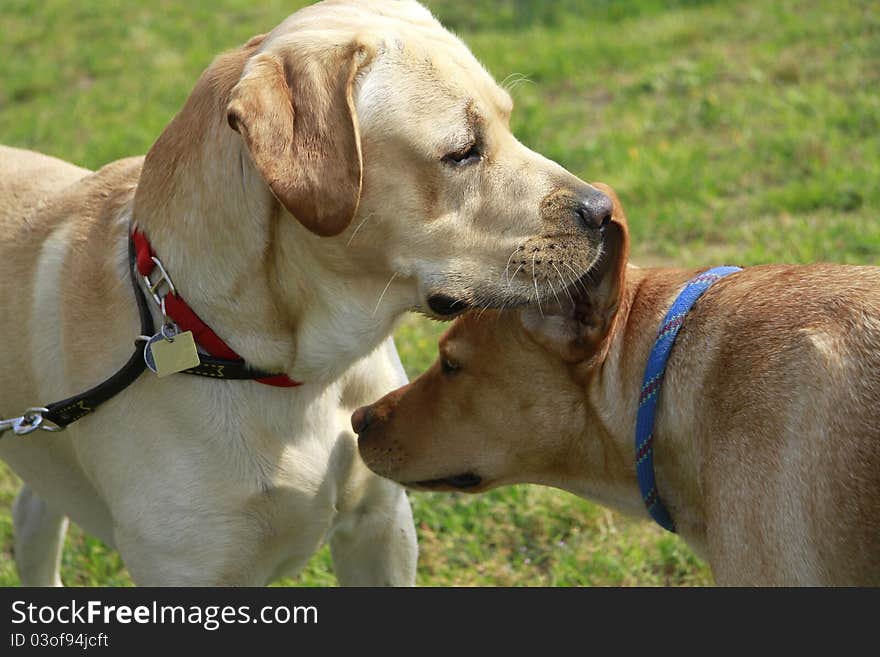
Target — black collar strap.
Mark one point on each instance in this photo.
(73, 408)
(57, 416)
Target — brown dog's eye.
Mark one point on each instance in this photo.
(467, 156)
(448, 366)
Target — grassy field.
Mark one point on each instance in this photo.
(734, 132)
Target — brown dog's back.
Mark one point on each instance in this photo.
(793, 384)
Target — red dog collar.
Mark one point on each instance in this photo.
(185, 317)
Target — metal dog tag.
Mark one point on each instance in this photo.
(170, 355)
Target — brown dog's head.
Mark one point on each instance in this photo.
(375, 127)
(505, 399)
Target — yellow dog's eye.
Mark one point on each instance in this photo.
(449, 366)
(467, 156)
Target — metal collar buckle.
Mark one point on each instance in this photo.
(153, 288)
(31, 420)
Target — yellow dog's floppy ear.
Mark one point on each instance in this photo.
(580, 331)
(296, 115)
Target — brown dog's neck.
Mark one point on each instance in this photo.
(613, 390)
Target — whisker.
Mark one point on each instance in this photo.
(510, 78)
(553, 290)
(507, 267)
(382, 296)
(513, 84)
(500, 311)
(514, 274)
(577, 278)
(351, 239)
(519, 82)
(535, 281)
(564, 284)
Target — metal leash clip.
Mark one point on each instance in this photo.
(31, 420)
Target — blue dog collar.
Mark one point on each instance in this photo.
(651, 388)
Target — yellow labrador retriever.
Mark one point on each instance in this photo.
(353, 164)
(767, 433)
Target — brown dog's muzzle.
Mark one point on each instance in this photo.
(383, 454)
(375, 448)
(376, 414)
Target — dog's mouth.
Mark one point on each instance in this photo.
(446, 306)
(451, 295)
(464, 481)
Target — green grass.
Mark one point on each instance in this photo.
(740, 132)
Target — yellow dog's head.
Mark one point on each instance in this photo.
(375, 127)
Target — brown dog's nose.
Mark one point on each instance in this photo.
(361, 419)
(595, 209)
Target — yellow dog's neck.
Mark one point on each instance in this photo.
(249, 269)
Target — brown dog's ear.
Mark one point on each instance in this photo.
(297, 118)
(579, 332)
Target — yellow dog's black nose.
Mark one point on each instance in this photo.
(595, 209)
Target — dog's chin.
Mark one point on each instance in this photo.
(465, 482)
(449, 298)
